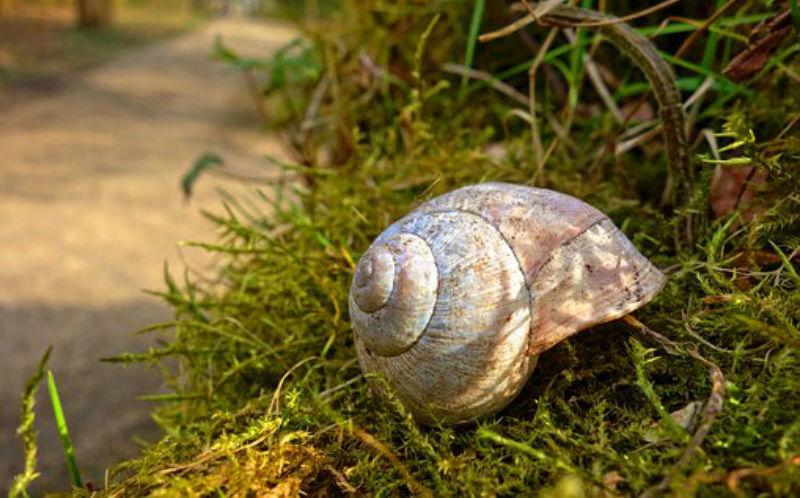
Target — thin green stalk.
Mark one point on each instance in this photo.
(526, 449)
(576, 63)
(795, 17)
(63, 432)
(710, 50)
(535, 134)
(472, 41)
(705, 72)
(417, 95)
(641, 357)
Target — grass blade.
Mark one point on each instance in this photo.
(710, 50)
(19, 488)
(787, 263)
(204, 162)
(63, 432)
(472, 41)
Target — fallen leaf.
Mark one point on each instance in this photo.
(764, 39)
(686, 417)
(736, 188)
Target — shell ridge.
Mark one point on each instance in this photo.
(530, 217)
(436, 294)
(439, 272)
(528, 286)
(499, 233)
(566, 242)
(644, 281)
(530, 340)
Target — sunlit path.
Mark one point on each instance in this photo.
(89, 210)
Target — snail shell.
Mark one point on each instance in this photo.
(452, 303)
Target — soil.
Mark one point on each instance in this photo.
(90, 210)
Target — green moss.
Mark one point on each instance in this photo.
(269, 395)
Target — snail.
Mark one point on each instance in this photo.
(452, 303)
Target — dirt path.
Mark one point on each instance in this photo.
(89, 211)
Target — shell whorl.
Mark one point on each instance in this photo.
(393, 293)
(374, 279)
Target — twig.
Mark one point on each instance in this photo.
(630, 17)
(539, 13)
(536, 138)
(597, 80)
(379, 72)
(788, 127)
(533, 16)
(328, 392)
(703, 340)
(559, 92)
(733, 477)
(642, 52)
(541, 9)
(255, 93)
(639, 128)
(712, 142)
(341, 480)
(275, 404)
(711, 410)
(487, 78)
(698, 94)
(504, 89)
(413, 484)
(645, 137)
(623, 147)
(500, 33)
(313, 106)
(692, 39)
(685, 46)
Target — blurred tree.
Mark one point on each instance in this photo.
(94, 13)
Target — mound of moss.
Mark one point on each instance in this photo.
(268, 398)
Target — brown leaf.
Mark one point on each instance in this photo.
(736, 187)
(767, 26)
(641, 112)
(763, 40)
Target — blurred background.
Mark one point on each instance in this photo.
(104, 105)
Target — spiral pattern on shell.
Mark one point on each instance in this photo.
(453, 302)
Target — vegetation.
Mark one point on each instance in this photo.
(696, 396)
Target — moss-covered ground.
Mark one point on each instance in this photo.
(268, 398)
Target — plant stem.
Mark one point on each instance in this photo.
(63, 432)
(472, 41)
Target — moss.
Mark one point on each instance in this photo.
(269, 397)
